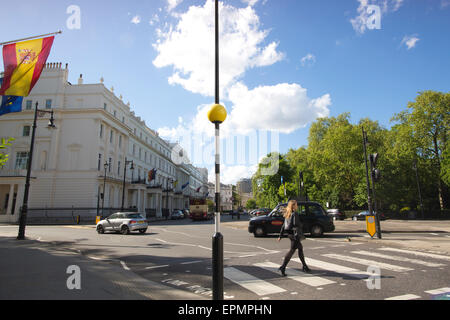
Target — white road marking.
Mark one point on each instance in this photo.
(354, 273)
(397, 258)
(249, 282)
(124, 265)
(417, 253)
(438, 291)
(157, 267)
(404, 297)
(368, 262)
(296, 275)
(192, 262)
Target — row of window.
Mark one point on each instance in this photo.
(29, 104)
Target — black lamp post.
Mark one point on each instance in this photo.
(124, 176)
(106, 165)
(217, 115)
(24, 210)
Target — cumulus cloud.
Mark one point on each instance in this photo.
(360, 22)
(172, 4)
(187, 47)
(410, 41)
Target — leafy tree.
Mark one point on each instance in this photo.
(3, 145)
(428, 117)
(251, 204)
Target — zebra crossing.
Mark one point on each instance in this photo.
(344, 265)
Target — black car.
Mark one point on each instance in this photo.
(312, 215)
(338, 214)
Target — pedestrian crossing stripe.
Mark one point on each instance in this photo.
(381, 265)
(354, 273)
(438, 291)
(296, 275)
(418, 253)
(404, 297)
(249, 282)
(398, 258)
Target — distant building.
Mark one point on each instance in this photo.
(244, 189)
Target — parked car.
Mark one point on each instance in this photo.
(123, 222)
(362, 216)
(186, 213)
(312, 215)
(336, 213)
(177, 215)
(260, 212)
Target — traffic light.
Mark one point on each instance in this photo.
(376, 174)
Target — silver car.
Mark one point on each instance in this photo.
(124, 222)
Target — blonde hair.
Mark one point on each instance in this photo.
(289, 209)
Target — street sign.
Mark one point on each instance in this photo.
(371, 227)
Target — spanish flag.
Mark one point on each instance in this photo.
(23, 62)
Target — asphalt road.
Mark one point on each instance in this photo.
(178, 254)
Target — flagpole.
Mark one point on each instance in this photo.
(29, 38)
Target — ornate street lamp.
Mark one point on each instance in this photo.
(124, 176)
(217, 115)
(24, 210)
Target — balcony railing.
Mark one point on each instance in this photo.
(13, 173)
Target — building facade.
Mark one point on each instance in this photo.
(82, 162)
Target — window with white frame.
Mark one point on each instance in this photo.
(21, 160)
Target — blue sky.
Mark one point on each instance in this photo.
(346, 66)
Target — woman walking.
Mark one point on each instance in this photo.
(294, 228)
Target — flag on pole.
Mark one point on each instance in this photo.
(23, 63)
(185, 185)
(10, 103)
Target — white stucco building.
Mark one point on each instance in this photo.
(94, 127)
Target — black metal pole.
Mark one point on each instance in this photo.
(217, 240)
(377, 216)
(369, 199)
(104, 191)
(123, 186)
(24, 210)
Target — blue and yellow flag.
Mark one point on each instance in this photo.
(10, 103)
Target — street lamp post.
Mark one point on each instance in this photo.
(124, 176)
(106, 165)
(24, 209)
(217, 115)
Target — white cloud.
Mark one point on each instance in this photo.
(410, 41)
(251, 3)
(154, 19)
(360, 22)
(283, 108)
(136, 20)
(188, 47)
(172, 4)
(309, 59)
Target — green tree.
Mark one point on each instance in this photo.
(428, 118)
(251, 204)
(3, 145)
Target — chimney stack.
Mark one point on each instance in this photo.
(80, 81)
